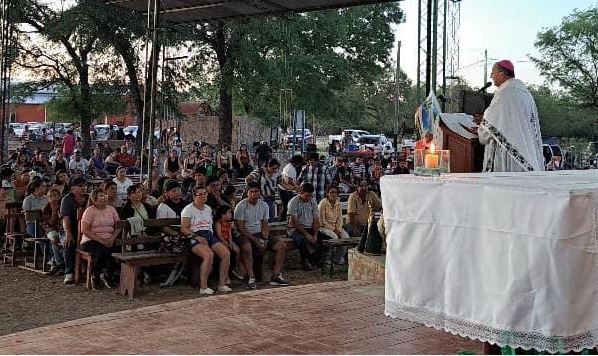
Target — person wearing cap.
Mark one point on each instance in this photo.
(358, 208)
(69, 205)
(78, 165)
(510, 128)
(173, 205)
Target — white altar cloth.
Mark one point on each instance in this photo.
(508, 258)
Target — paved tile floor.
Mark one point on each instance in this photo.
(326, 318)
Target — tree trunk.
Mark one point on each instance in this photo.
(85, 114)
(225, 113)
(135, 93)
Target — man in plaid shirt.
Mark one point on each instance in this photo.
(317, 175)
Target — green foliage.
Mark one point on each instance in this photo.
(569, 55)
(105, 100)
(561, 115)
(319, 55)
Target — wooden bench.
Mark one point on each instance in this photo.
(131, 262)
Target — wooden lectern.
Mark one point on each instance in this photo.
(467, 154)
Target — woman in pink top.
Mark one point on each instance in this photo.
(98, 226)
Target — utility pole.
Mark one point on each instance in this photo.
(398, 90)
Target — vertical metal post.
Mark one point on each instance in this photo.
(143, 114)
(154, 88)
(429, 49)
(444, 55)
(419, 36)
(434, 71)
(5, 64)
(397, 89)
(163, 117)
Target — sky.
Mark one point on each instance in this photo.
(506, 28)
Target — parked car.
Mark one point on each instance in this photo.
(355, 135)
(132, 130)
(37, 131)
(378, 143)
(17, 128)
(591, 154)
(102, 132)
(60, 128)
(551, 152)
(299, 137)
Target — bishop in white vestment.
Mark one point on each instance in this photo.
(510, 129)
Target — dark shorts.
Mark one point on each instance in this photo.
(240, 240)
(208, 235)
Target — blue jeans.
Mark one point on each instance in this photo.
(305, 246)
(349, 229)
(270, 201)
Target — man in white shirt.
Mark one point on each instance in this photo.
(78, 165)
(289, 186)
(251, 220)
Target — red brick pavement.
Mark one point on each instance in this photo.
(326, 318)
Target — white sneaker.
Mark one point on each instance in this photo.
(69, 278)
(206, 291)
(224, 289)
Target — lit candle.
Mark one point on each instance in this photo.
(431, 159)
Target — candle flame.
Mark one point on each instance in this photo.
(432, 147)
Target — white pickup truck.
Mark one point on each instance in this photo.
(356, 134)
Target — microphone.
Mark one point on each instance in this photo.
(486, 86)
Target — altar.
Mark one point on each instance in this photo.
(507, 258)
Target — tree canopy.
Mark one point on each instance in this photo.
(569, 55)
(320, 56)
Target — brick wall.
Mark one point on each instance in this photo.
(30, 112)
(205, 129)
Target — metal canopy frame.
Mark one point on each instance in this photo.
(197, 11)
(184, 12)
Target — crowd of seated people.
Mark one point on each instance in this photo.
(229, 235)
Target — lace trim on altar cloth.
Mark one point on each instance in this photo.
(523, 339)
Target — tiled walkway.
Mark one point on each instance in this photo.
(328, 318)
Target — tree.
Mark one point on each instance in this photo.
(317, 55)
(70, 32)
(569, 55)
(561, 115)
(106, 100)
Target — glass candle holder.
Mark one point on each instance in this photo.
(431, 162)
